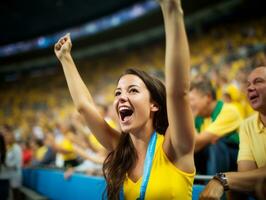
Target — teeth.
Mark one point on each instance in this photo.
(123, 108)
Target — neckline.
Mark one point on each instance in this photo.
(133, 182)
(140, 178)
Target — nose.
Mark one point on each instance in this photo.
(122, 97)
(250, 88)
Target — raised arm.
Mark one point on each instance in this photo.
(180, 134)
(83, 101)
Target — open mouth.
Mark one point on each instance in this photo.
(125, 113)
(253, 97)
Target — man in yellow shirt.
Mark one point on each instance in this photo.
(252, 153)
(217, 125)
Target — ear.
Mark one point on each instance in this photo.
(154, 107)
(209, 97)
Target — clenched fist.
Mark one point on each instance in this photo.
(63, 47)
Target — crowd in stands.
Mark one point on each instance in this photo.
(50, 132)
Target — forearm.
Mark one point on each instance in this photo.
(245, 181)
(177, 79)
(177, 50)
(199, 145)
(203, 139)
(81, 152)
(77, 88)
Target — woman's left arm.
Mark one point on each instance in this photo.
(179, 137)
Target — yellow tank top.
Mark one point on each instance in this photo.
(166, 180)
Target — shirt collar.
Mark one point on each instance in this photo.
(259, 125)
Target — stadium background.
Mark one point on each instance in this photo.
(228, 37)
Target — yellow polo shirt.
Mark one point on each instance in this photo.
(253, 141)
(228, 120)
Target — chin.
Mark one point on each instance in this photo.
(125, 129)
(256, 106)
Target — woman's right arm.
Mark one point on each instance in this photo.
(83, 101)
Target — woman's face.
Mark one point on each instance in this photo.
(132, 103)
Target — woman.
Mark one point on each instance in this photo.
(149, 152)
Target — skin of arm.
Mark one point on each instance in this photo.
(81, 152)
(85, 142)
(180, 133)
(203, 139)
(245, 180)
(81, 96)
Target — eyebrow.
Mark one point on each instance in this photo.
(128, 87)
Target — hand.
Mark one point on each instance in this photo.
(170, 4)
(68, 173)
(214, 190)
(63, 47)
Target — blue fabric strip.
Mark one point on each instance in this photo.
(147, 168)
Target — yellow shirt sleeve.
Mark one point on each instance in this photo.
(227, 121)
(245, 152)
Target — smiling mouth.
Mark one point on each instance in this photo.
(125, 113)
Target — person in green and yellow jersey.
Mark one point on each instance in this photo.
(217, 125)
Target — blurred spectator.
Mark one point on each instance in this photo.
(13, 161)
(64, 146)
(26, 153)
(252, 152)
(217, 125)
(44, 155)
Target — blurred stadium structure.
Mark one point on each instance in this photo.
(226, 36)
(29, 31)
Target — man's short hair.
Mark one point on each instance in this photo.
(205, 87)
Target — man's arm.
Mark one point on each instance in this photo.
(203, 139)
(246, 165)
(244, 181)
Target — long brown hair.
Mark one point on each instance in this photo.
(124, 157)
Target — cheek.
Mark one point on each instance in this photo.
(142, 106)
(115, 106)
(201, 104)
(193, 104)
(263, 92)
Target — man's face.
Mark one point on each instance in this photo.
(256, 89)
(199, 103)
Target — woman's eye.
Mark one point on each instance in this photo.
(133, 91)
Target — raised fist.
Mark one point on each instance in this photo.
(63, 46)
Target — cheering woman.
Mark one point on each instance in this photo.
(152, 157)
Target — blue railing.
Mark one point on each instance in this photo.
(51, 183)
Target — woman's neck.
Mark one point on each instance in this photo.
(141, 138)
